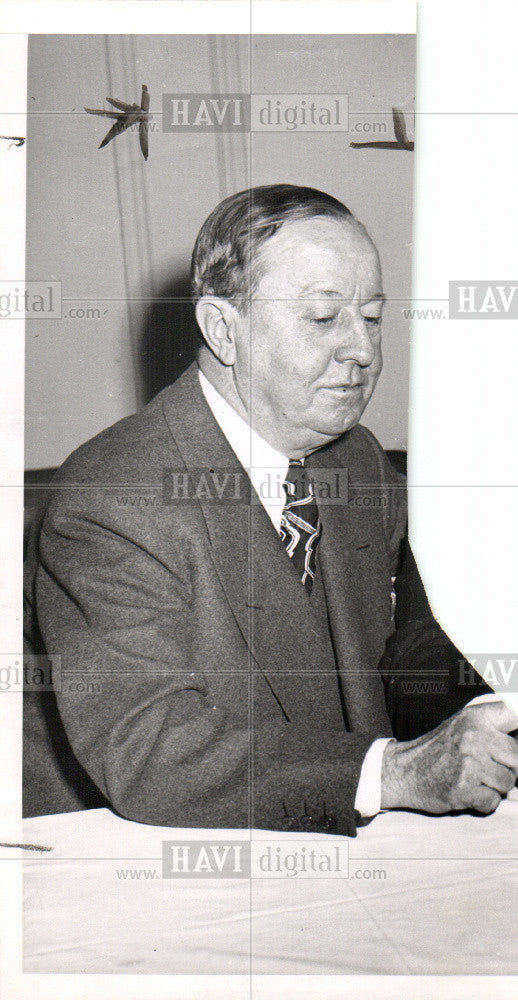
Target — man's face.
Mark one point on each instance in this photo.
(308, 356)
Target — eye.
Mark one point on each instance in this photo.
(373, 320)
(324, 320)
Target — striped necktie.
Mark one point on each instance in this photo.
(300, 523)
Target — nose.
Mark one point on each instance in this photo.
(355, 343)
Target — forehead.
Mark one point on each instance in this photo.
(319, 254)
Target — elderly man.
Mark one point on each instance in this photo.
(254, 650)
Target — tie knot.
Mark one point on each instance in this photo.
(298, 484)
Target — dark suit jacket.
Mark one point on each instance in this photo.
(197, 687)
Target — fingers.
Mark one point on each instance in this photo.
(486, 800)
(499, 778)
(505, 751)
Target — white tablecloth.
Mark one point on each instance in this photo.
(445, 905)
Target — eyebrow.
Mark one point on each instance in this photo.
(331, 293)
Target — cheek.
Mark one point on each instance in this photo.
(284, 358)
(273, 359)
(300, 371)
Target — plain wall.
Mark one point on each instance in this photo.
(117, 231)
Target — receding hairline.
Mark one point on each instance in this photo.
(263, 253)
(345, 222)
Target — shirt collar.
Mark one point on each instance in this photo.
(265, 466)
(250, 448)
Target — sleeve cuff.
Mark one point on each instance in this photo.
(481, 698)
(368, 794)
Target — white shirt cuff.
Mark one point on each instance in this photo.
(481, 698)
(368, 793)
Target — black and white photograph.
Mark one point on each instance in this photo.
(261, 476)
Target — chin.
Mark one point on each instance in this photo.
(339, 423)
(330, 430)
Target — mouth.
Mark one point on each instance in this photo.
(345, 388)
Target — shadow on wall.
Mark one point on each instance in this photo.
(170, 337)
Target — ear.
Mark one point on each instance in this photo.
(219, 322)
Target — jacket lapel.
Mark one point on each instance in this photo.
(349, 570)
(270, 604)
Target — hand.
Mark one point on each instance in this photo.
(468, 762)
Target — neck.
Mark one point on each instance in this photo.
(222, 378)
